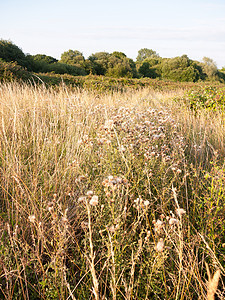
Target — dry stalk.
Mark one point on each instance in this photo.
(91, 260)
(212, 283)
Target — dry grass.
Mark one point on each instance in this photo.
(111, 196)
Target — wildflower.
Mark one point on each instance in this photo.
(82, 199)
(146, 203)
(138, 203)
(158, 225)
(122, 148)
(173, 221)
(111, 179)
(64, 219)
(180, 212)
(94, 200)
(109, 124)
(108, 142)
(147, 236)
(31, 218)
(90, 193)
(118, 180)
(138, 200)
(160, 246)
(112, 229)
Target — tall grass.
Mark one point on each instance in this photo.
(109, 196)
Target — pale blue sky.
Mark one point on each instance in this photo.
(170, 27)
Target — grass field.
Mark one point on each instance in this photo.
(110, 195)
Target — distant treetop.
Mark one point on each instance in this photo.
(146, 53)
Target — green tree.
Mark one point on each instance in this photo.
(60, 68)
(76, 59)
(121, 67)
(119, 54)
(180, 68)
(72, 57)
(146, 53)
(44, 58)
(149, 67)
(40, 62)
(9, 52)
(210, 68)
(115, 64)
(99, 62)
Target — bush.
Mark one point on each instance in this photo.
(210, 98)
(180, 69)
(10, 71)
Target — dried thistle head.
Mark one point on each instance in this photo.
(32, 218)
(94, 200)
(160, 245)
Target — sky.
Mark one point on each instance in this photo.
(169, 27)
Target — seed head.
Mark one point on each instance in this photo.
(160, 246)
(31, 218)
(173, 221)
(146, 203)
(94, 200)
(90, 193)
(180, 212)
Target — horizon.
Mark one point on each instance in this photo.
(195, 28)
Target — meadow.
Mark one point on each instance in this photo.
(112, 194)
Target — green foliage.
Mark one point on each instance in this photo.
(150, 67)
(60, 68)
(72, 57)
(10, 71)
(99, 63)
(210, 98)
(40, 62)
(113, 65)
(45, 64)
(103, 83)
(210, 69)
(11, 53)
(146, 53)
(180, 69)
(116, 64)
(75, 59)
(119, 54)
(120, 66)
(44, 58)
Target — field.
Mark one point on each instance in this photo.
(112, 194)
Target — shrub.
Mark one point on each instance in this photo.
(10, 71)
(210, 98)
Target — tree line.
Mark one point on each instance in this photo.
(116, 64)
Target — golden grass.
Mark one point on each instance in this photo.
(109, 196)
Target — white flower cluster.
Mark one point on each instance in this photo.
(90, 197)
(166, 225)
